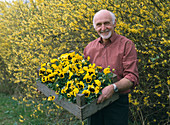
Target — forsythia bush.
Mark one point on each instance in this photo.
(35, 32)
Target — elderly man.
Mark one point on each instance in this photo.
(118, 52)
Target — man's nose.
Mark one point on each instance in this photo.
(103, 27)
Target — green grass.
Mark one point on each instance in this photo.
(10, 111)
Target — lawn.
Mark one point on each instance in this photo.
(13, 112)
(9, 110)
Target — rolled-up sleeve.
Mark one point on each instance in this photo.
(130, 63)
(84, 52)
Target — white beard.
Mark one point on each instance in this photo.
(106, 37)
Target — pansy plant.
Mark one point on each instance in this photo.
(71, 74)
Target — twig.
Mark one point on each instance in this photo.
(140, 112)
(156, 5)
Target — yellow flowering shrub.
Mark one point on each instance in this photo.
(147, 24)
(35, 32)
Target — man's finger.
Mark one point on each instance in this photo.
(99, 99)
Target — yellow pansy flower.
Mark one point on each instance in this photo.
(75, 91)
(99, 68)
(97, 82)
(88, 58)
(66, 69)
(91, 88)
(91, 71)
(61, 74)
(51, 77)
(44, 64)
(106, 71)
(97, 89)
(54, 60)
(88, 78)
(92, 65)
(68, 95)
(44, 79)
(51, 98)
(86, 93)
(70, 74)
(42, 72)
(54, 66)
(80, 85)
(81, 71)
(48, 71)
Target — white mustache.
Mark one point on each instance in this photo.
(104, 31)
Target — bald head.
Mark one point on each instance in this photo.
(105, 13)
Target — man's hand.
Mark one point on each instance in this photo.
(107, 92)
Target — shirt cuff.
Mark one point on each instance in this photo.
(133, 79)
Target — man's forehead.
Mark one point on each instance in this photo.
(104, 16)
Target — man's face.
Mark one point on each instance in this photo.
(104, 25)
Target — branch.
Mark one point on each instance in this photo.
(156, 5)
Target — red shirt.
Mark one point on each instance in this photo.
(120, 54)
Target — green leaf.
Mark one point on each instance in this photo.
(6, 112)
(60, 97)
(15, 123)
(50, 85)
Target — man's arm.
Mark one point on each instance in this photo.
(108, 91)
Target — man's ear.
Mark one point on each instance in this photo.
(115, 23)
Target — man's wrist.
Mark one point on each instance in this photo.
(115, 88)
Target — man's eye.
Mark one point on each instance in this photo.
(107, 23)
(98, 24)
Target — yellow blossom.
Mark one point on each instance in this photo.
(106, 71)
(86, 93)
(21, 120)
